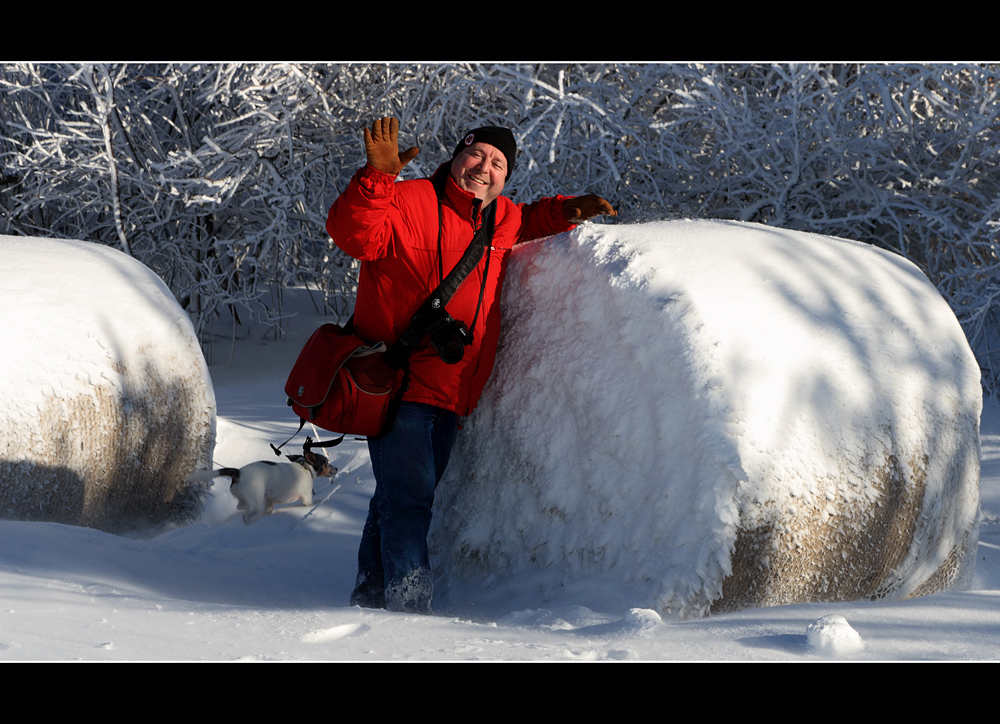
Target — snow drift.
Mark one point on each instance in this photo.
(105, 399)
(719, 415)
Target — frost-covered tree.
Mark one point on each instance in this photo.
(902, 156)
(219, 176)
(215, 176)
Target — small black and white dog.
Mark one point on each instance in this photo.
(260, 486)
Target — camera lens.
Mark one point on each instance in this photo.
(447, 335)
(451, 351)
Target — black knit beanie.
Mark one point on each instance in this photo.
(500, 138)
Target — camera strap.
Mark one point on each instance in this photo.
(410, 339)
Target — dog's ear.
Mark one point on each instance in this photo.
(319, 463)
(294, 458)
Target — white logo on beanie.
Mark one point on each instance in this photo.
(469, 139)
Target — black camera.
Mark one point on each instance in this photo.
(449, 338)
(447, 335)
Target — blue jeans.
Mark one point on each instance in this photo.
(393, 566)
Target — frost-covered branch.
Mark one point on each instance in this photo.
(219, 176)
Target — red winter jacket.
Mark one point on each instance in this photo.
(393, 229)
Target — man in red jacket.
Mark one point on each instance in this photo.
(409, 236)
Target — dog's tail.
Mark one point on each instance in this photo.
(201, 476)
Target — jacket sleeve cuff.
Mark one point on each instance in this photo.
(374, 182)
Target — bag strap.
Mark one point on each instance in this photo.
(309, 443)
(410, 339)
(473, 254)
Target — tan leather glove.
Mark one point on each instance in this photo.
(582, 208)
(382, 147)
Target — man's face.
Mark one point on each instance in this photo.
(480, 169)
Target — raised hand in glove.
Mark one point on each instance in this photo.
(382, 147)
(582, 208)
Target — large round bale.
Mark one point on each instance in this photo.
(715, 415)
(105, 399)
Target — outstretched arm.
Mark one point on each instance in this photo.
(358, 221)
(549, 216)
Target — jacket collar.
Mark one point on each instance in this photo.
(465, 203)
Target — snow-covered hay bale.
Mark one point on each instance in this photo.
(105, 399)
(717, 415)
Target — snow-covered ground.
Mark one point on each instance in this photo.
(278, 589)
